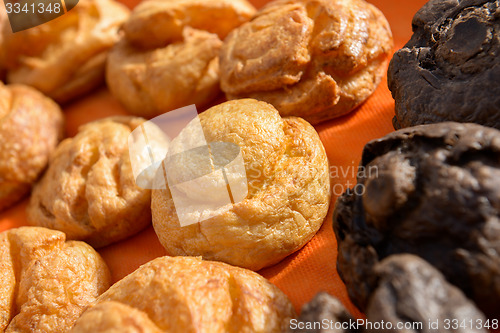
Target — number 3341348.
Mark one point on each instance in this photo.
(39, 7)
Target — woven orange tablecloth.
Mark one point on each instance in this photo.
(313, 268)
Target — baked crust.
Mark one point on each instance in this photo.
(151, 82)
(47, 282)
(288, 190)
(65, 58)
(168, 57)
(114, 317)
(183, 294)
(89, 190)
(31, 125)
(156, 23)
(313, 59)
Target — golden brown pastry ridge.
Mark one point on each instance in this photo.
(288, 190)
(89, 190)
(47, 282)
(151, 82)
(184, 294)
(168, 57)
(31, 125)
(314, 59)
(65, 58)
(155, 23)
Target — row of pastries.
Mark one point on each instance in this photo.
(290, 64)
(162, 56)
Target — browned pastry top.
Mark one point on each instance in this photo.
(31, 125)
(181, 294)
(65, 57)
(288, 189)
(156, 23)
(315, 59)
(89, 190)
(151, 82)
(46, 281)
(168, 57)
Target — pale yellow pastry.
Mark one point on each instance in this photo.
(65, 58)
(31, 125)
(316, 59)
(168, 57)
(89, 190)
(288, 189)
(189, 295)
(46, 281)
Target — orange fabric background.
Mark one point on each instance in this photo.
(313, 268)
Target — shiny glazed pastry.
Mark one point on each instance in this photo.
(89, 190)
(168, 57)
(286, 171)
(313, 59)
(181, 294)
(47, 282)
(31, 125)
(65, 58)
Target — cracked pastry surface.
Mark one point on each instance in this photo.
(181, 294)
(168, 57)
(31, 125)
(89, 190)
(450, 68)
(286, 169)
(47, 282)
(436, 195)
(313, 59)
(65, 58)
